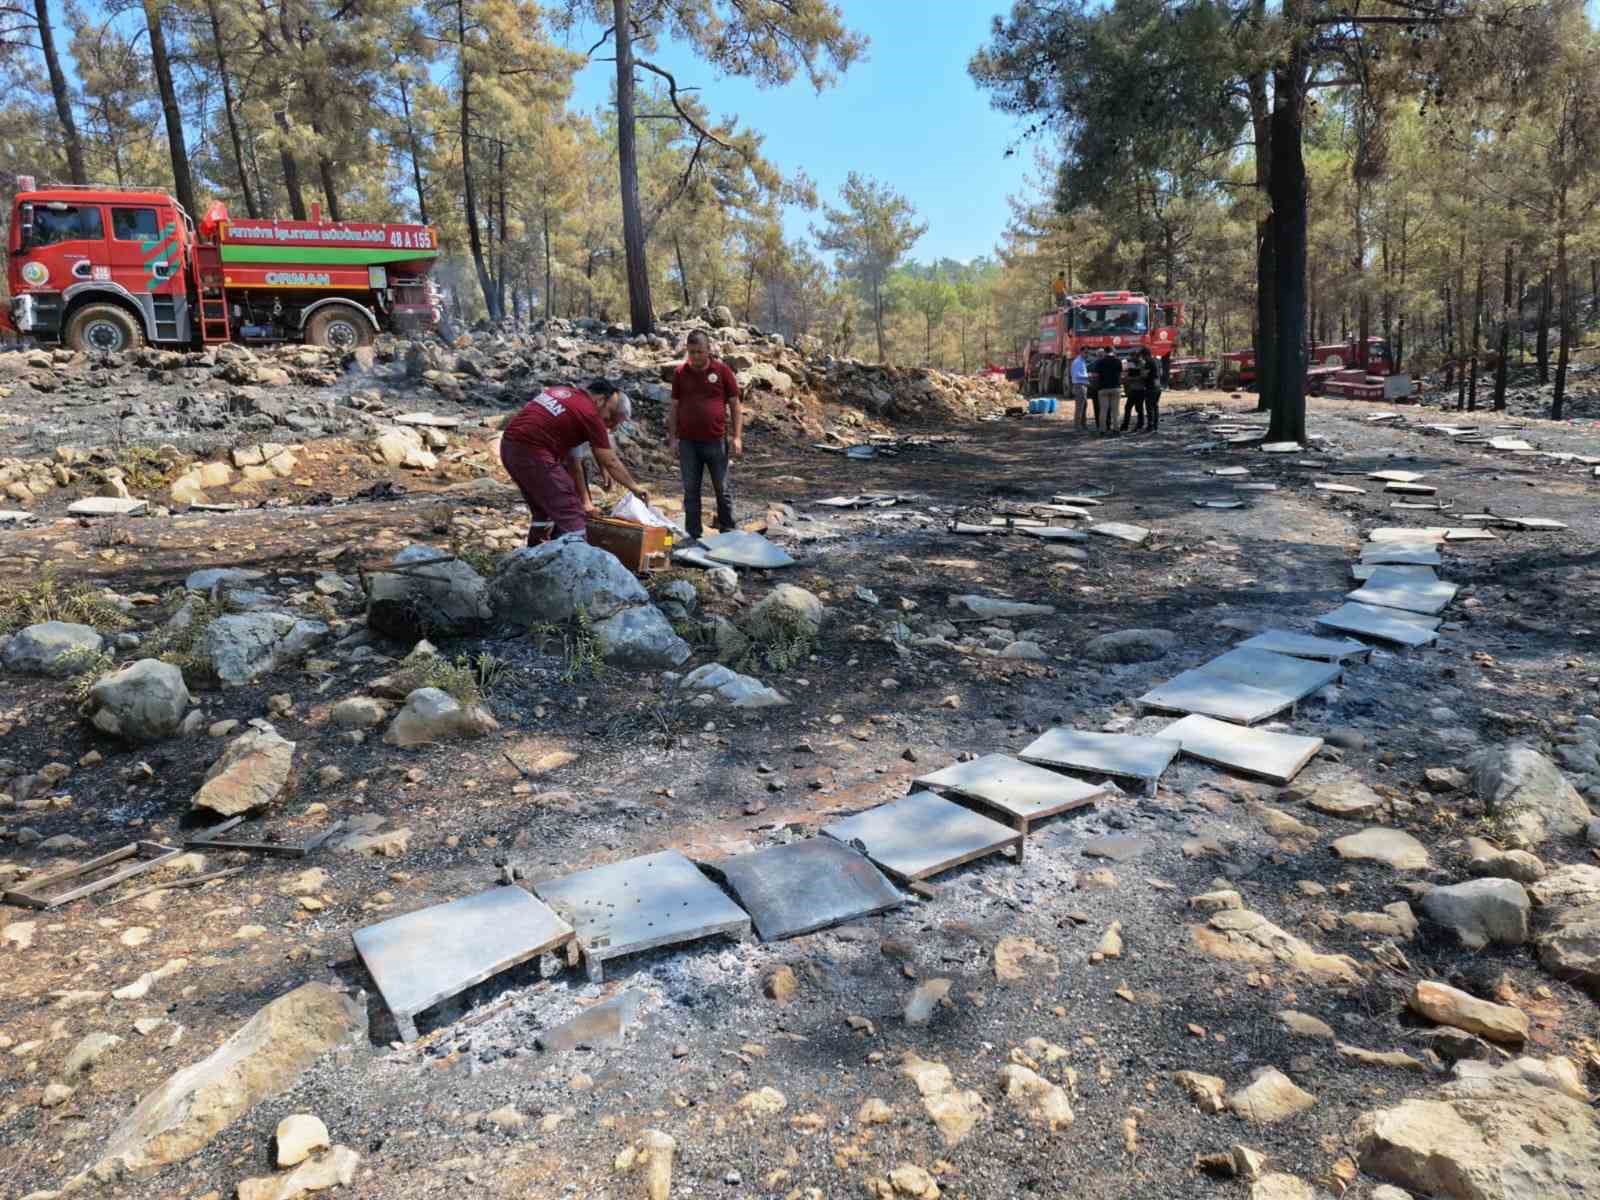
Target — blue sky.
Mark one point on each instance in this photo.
(908, 114)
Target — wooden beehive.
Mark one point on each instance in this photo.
(641, 548)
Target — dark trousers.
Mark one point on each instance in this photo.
(1135, 410)
(546, 488)
(1152, 408)
(694, 459)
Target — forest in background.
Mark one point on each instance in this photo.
(1447, 221)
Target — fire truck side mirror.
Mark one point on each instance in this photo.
(25, 225)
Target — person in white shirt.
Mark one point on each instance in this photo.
(1080, 390)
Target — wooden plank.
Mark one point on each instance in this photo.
(34, 893)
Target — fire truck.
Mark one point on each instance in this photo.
(1338, 368)
(1094, 321)
(105, 270)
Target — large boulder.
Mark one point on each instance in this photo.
(142, 702)
(786, 609)
(1131, 646)
(432, 715)
(56, 648)
(641, 639)
(402, 446)
(243, 647)
(1482, 911)
(440, 599)
(253, 771)
(1569, 946)
(1527, 797)
(1485, 1139)
(553, 581)
(262, 1060)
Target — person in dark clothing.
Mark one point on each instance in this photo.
(1154, 369)
(1108, 384)
(705, 425)
(1134, 380)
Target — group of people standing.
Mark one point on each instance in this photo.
(1105, 379)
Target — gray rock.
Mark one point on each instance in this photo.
(432, 715)
(988, 606)
(1591, 831)
(785, 609)
(1482, 911)
(723, 580)
(1527, 797)
(1486, 859)
(681, 591)
(722, 315)
(737, 691)
(207, 579)
(640, 639)
(447, 599)
(55, 648)
(359, 712)
(1026, 651)
(242, 647)
(553, 581)
(1345, 738)
(1131, 646)
(924, 1000)
(1569, 946)
(730, 641)
(91, 1048)
(142, 702)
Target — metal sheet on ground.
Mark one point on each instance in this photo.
(1432, 535)
(1010, 786)
(1395, 476)
(806, 886)
(1055, 533)
(1304, 645)
(1469, 535)
(1136, 535)
(430, 955)
(922, 834)
(1400, 554)
(1199, 691)
(1380, 624)
(1343, 489)
(1277, 757)
(640, 903)
(1388, 588)
(742, 549)
(1363, 571)
(1121, 755)
(1294, 676)
(1410, 489)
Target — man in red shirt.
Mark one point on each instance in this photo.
(705, 424)
(537, 451)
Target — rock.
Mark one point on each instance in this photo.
(1391, 847)
(391, 843)
(874, 1111)
(1474, 1141)
(1578, 883)
(1034, 1098)
(307, 883)
(242, 647)
(722, 316)
(924, 1000)
(1555, 1072)
(336, 1168)
(142, 702)
(54, 648)
(1017, 958)
(1247, 1163)
(641, 639)
(1025, 651)
(402, 446)
(253, 771)
(262, 1059)
(438, 599)
(1244, 936)
(911, 1180)
(1445, 779)
(1270, 1097)
(1279, 1186)
(506, 1118)
(781, 984)
(1218, 901)
(1380, 1058)
(601, 1024)
(207, 579)
(1205, 1090)
(359, 712)
(953, 1111)
(431, 715)
(735, 690)
(1449, 1006)
(1486, 859)
(1591, 832)
(1481, 911)
(1395, 921)
(298, 1137)
(764, 1102)
(1347, 799)
(553, 581)
(1131, 646)
(1110, 944)
(986, 606)
(91, 1048)
(1569, 946)
(1344, 737)
(1305, 1025)
(1282, 826)
(785, 612)
(1526, 796)
(651, 1156)
(723, 580)
(56, 1094)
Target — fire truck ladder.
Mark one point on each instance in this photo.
(213, 295)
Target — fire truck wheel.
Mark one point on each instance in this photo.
(103, 329)
(338, 327)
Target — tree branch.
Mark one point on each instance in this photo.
(672, 94)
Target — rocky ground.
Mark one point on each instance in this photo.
(1189, 994)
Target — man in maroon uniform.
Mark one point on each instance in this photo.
(705, 424)
(537, 452)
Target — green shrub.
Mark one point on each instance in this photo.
(48, 599)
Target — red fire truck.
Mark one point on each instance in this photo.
(105, 270)
(1322, 364)
(1093, 321)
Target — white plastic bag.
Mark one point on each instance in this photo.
(631, 508)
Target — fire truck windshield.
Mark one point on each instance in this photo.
(1095, 319)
